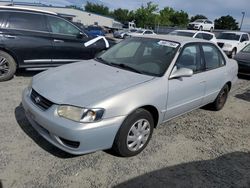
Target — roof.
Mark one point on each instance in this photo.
(179, 39)
(28, 9)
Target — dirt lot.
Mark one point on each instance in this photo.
(200, 149)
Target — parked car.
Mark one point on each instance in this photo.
(243, 59)
(202, 24)
(232, 42)
(195, 34)
(123, 33)
(38, 39)
(96, 30)
(116, 100)
(142, 32)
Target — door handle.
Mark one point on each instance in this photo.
(10, 36)
(58, 41)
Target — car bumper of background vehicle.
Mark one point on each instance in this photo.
(72, 137)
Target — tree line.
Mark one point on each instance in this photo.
(149, 15)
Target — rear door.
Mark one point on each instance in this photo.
(26, 35)
(68, 43)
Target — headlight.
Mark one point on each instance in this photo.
(78, 114)
(227, 45)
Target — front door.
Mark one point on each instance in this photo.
(68, 42)
(186, 93)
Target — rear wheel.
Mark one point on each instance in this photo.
(134, 134)
(221, 99)
(7, 66)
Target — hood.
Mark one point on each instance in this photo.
(84, 83)
(243, 56)
(228, 41)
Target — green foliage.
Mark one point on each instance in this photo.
(145, 15)
(198, 16)
(74, 7)
(226, 22)
(123, 15)
(179, 18)
(97, 8)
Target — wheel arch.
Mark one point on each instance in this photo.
(11, 54)
(153, 111)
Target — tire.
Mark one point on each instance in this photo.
(129, 141)
(221, 99)
(201, 28)
(234, 51)
(211, 29)
(7, 66)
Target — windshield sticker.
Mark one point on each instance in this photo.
(167, 43)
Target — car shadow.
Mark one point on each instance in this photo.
(244, 96)
(244, 77)
(27, 73)
(230, 170)
(34, 135)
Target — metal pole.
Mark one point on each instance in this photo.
(243, 15)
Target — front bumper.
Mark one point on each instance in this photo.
(88, 137)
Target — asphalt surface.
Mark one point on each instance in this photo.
(200, 149)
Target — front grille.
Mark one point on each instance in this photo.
(40, 101)
(220, 44)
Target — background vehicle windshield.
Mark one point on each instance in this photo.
(229, 36)
(246, 49)
(142, 55)
(182, 33)
(199, 21)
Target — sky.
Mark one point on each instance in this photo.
(211, 8)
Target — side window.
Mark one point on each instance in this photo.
(213, 57)
(199, 36)
(60, 26)
(207, 36)
(190, 58)
(26, 21)
(244, 38)
(148, 32)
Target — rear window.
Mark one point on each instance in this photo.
(26, 21)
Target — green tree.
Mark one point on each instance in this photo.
(226, 22)
(97, 8)
(198, 16)
(165, 15)
(179, 18)
(122, 15)
(145, 15)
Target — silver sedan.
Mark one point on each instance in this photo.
(117, 99)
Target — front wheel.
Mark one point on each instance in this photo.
(7, 66)
(134, 134)
(221, 99)
(201, 28)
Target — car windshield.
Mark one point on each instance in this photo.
(182, 33)
(199, 21)
(229, 36)
(139, 31)
(141, 55)
(246, 49)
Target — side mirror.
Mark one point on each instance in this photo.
(80, 35)
(181, 72)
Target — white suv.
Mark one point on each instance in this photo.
(202, 24)
(232, 42)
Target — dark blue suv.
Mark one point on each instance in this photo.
(39, 39)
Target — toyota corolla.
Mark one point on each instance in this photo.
(117, 99)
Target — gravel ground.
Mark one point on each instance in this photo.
(200, 149)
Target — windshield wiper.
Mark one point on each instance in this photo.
(124, 66)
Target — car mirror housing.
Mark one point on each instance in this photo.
(80, 35)
(181, 72)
